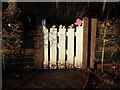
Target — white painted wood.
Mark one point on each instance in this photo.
(70, 49)
(61, 46)
(53, 47)
(45, 35)
(79, 47)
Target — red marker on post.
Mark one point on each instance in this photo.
(78, 22)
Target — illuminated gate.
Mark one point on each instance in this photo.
(65, 48)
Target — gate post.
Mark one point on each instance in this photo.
(93, 41)
(38, 47)
(38, 50)
(85, 43)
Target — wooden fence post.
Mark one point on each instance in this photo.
(70, 48)
(45, 48)
(38, 51)
(93, 42)
(53, 47)
(61, 46)
(79, 47)
(85, 43)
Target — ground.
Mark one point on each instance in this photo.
(76, 78)
(51, 79)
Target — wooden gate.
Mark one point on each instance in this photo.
(63, 48)
(67, 48)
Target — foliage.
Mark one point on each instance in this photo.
(11, 31)
(109, 26)
(109, 39)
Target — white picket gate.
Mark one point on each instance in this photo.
(63, 48)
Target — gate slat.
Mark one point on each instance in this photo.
(61, 46)
(45, 62)
(79, 47)
(70, 48)
(53, 48)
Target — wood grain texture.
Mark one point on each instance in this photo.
(93, 42)
(85, 43)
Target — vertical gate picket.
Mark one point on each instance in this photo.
(79, 46)
(61, 46)
(45, 62)
(53, 47)
(70, 48)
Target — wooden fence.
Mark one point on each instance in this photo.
(68, 48)
(63, 48)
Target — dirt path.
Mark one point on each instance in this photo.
(58, 79)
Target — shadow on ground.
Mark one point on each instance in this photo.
(52, 79)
